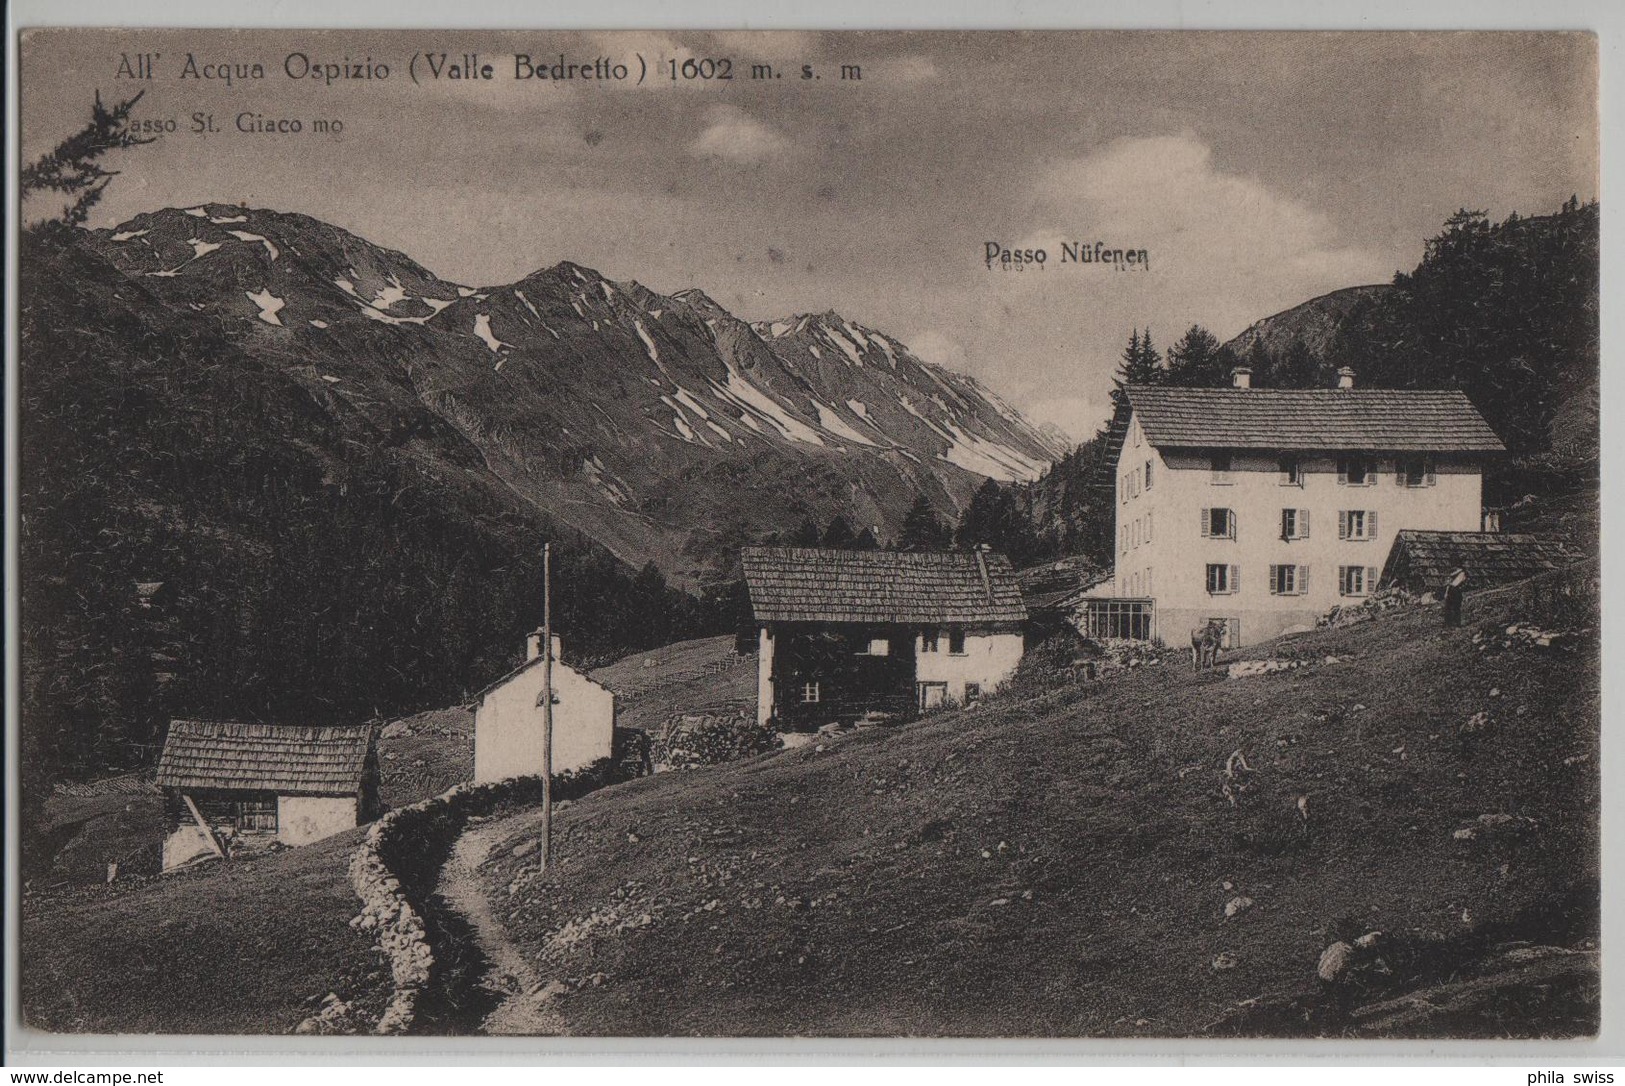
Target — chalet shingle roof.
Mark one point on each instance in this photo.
(805, 584)
(1422, 560)
(265, 757)
(1352, 419)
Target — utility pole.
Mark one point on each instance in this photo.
(547, 704)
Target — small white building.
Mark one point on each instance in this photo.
(1264, 508)
(508, 725)
(234, 787)
(842, 634)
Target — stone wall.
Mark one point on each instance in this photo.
(395, 870)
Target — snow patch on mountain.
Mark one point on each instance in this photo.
(990, 458)
(243, 235)
(831, 420)
(130, 235)
(225, 220)
(742, 393)
(648, 344)
(482, 328)
(202, 248)
(686, 398)
(269, 305)
(389, 294)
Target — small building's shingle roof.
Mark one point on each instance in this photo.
(1421, 561)
(265, 757)
(806, 584)
(1352, 419)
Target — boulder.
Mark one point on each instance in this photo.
(1334, 962)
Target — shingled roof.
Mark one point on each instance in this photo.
(806, 584)
(265, 757)
(1349, 419)
(1422, 560)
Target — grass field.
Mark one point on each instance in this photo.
(682, 677)
(1059, 860)
(249, 946)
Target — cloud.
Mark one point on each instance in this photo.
(733, 134)
(1224, 248)
(932, 345)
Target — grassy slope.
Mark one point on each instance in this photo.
(436, 753)
(1057, 864)
(227, 948)
(651, 686)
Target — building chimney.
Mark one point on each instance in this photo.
(1345, 377)
(533, 646)
(1242, 377)
(982, 550)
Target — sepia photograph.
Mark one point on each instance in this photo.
(1054, 534)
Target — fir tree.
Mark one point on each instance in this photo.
(923, 530)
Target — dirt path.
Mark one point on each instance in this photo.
(526, 1007)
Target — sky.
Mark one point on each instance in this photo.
(1255, 170)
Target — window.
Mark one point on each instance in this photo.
(1415, 471)
(928, 639)
(1222, 579)
(256, 815)
(1291, 471)
(1357, 524)
(1148, 475)
(1220, 463)
(1356, 580)
(973, 693)
(1355, 471)
(1148, 527)
(877, 646)
(1289, 580)
(956, 642)
(1218, 524)
(809, 693)
(1294, 524)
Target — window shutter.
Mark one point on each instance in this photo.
(1342, 524)
(1207, 522)
(1342, 473)
(1303, 580)
(1303, 524)
(1286, 524)
(1399, 472)
(1371, 524)
(1275, 573)
(1429, 477)
(1370, 579)
(1235, 578)
(1230, 522)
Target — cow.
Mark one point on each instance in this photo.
(1205, 643)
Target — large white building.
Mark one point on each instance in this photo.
(1265, 508)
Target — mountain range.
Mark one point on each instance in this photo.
(660, 426)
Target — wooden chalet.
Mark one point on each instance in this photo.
(847, 634)
(232, 787)
(1421, 561)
